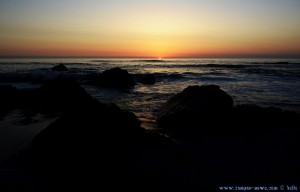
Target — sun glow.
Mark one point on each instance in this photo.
(143, 29)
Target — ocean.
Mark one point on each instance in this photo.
(264, 82)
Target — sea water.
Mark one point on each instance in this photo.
(263, 81)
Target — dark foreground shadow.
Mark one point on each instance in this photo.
(211, 143)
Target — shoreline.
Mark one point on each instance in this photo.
(17, 131)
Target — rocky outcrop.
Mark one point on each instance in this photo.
(91, 140)
(60, 67)
(115, 77)
(61, 95)
(95, 145)
(53, 96)
(208, 111)
(95, 131)
(195, 106)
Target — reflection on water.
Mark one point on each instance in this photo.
(263, 82)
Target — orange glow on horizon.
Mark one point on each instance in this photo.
(159, 51)
(148, 49)
(150, 28)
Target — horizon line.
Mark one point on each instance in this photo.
(147, 57)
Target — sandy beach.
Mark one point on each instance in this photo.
(17, 131)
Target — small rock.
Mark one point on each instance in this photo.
(60, 67)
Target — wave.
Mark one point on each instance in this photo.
(168, 76)
(37, 76)
(105, 61)
(227, 66)
(281, 62)
(233, 66)
(275, 72)
(150, 60)
(222, 79)
(200, 66)
(275, 63)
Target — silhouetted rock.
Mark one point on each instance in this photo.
(207, 110)
(234, 137)
(94, 142)
(91, 143)
(147, 79)
(114, 77)
(195, 107)
(153, 139)
(256, 120)
(61, 95)
(60, 67)
(8, 99)
(95, 145)
(53, 96)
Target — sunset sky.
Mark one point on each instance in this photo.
(156, 28)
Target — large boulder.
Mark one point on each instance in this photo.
(53, 96)
(61, 95)
(115, 77)
(194, 107)
(208, 111)
(60, 67)
(91, 144)
(94, 146)
(221, 139)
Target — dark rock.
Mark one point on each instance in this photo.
(61, 95)
(115, 77)
(239, 142)
(8, 99)
(53, 96)
(207, 111)
(147, 79)
(256, 120)
(60, 67)
(194, 107)
(96, 146)
(153, 139)
(92, 128)
(90, 143)
(91, 139)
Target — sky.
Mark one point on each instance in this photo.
(152, 28)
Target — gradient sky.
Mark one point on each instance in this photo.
(152, 28)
